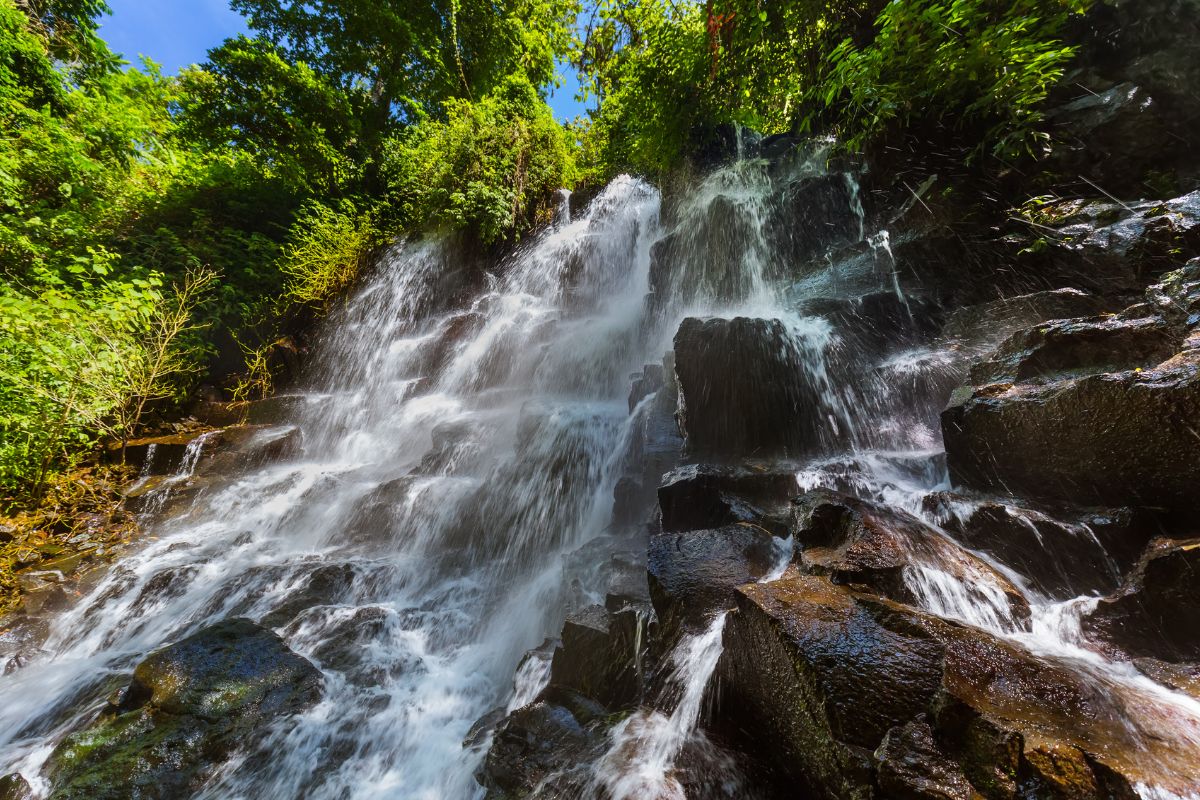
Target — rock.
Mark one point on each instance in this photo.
(1111, 247)
(710, 496)
(1076, 348)
(746, 388)
(535, 743)
(695, 573)
(857, 542)
(1072, 554)
(1058, 772)
(1122, 438)
(996, 320)
(346, 647)
(816, 676)
(187, 708)
(878, 322)
(1157, 612)
(326, 585)
(912, 767)
(378, 513)
(15, 787)
(651, 379)
(600, 655)
(453, 449)
(811, 217)
(1180, 677)
(158, 455)
(705, 261)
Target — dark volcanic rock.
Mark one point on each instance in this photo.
(854, 541)
(1066, 555)
(1157, 613)
(15, 787)
(1076, 348)
(880, 321)
(1100, 412)
(817, 676)
(599, 655)
(695, 573)
(187, 708)
(911, 766)
(745, 390)
(996, 320)
(540, 743)
(1120, 438)
(709, 496)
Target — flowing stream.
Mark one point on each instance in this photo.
(456, 443)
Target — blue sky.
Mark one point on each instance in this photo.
(176, 33)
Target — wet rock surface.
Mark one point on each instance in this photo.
(825, 674)
(855, 542)
(537, 746)
(1064, 554)
(188, 707)
(744, 389)
(15, 787)
(1157, 613)
(1091, 411)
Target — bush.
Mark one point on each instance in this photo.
(491, 166)
(858, 68)
(325, 251)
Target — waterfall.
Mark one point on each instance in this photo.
(413, 550)
(462, 431)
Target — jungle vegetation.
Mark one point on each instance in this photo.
(150, 225)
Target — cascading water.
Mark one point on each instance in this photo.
(413, 550)
(462, 435)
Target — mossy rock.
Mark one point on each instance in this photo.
(187, 708)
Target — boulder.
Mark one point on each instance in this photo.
(1157, 613)
(600, 654)
(812, 216)
(1110, 247)
(751, 387)
(699, 496)
(1072, 553)
(15, 787)
(187, 708)
(911, 766)
(820, 677)
(1076, 348)
(995, 320)
(878, 322)
(1122, 438)
(651, 379)
(694, 573)
(857, 542)
(531, 747)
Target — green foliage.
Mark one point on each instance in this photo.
(968, 59)
(62, 352)
(492, 166)
(859, 69)
(325, 251)
(258, 182)
(276, 112)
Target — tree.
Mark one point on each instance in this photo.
(411, 56)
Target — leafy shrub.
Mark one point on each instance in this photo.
(492, 165)
(858, 68)
(325, 251)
